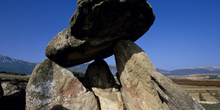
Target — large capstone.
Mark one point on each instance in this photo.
(95, 27)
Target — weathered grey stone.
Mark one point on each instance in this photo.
(109, 99)
(1, 90)
(86, 101)
(145, 89)
(14, 96)
(99, 75)
(100, 80)
(52, 86)
(101, 21)
(95, 27)
(137, 90)
(10, 89)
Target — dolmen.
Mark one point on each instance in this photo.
(99, 29)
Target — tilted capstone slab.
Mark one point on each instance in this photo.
(95, 27)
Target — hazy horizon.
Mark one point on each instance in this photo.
(185, 33)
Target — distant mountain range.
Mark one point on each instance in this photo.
(182, 71)
(83, 67)
(189, 71)
(11, 65)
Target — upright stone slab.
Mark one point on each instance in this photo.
(101, 81)
(95, 27)
(137, 90)
(54, 87)
(99, 75)
(145, 89)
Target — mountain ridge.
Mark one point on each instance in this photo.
(11, 65)
(196, 70)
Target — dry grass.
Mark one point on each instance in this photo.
(215, 83)
(12, 77)
(204, 91)
(19, 80)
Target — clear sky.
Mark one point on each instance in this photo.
(185, 33)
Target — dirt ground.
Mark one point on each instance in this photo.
(20, 80)
(203, 94)
(18, 77)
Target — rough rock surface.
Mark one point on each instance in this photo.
(10, 89)
(100, 79)
(14, 96)
(1, 90)
(54, 87)
(99, 75)
(144, 88)
(109, 99)
(96, 26)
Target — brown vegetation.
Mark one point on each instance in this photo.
(215, 83)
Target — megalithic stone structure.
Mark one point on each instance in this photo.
(97, 30)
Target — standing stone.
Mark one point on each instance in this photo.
(142, 87)
(137, 90)
(54, 87)
(95, 27)
(99, 75)
(100, 79)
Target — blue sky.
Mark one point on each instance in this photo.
(185, 33)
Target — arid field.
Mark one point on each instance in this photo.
(205, 91)
(203, 94)
(209, 83)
